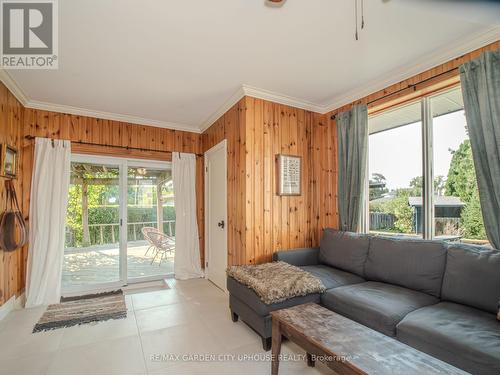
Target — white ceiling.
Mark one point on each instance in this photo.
(179, 64)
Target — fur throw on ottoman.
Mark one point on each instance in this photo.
(277, 281)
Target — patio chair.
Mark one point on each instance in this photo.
(145, 232)
(164, 244)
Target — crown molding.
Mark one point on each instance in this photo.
(255, 92)
(429, 61)
(228, 104)
(275, 97)
(34, 104)
(13, 87)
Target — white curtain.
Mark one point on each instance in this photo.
(187, 247)
(49, 200)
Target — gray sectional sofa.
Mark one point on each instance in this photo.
(440, 298)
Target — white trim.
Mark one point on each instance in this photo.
(231, 101)
(13, 303)
(217, 147)
(255, 92)
(426, 62)
(13, 87)
(7, 307)
(20, 301)
(78, 111)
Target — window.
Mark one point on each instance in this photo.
(410, 145)
(395, 169)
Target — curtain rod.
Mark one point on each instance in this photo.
(30, 137)
(414, 86)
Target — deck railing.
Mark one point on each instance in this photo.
(101, 234)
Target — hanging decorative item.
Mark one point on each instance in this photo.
(8, 167)
(289, 171)
(11, 220)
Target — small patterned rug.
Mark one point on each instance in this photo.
(83, 310)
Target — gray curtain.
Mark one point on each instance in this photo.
(480, 80)
(352, 134)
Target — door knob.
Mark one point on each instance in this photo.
(221, 224)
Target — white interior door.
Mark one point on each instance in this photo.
(216, 214)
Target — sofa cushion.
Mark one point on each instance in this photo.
(472, 276)
(463, 336)
(376, 305)
(344, 250)
(244, 293)
(333, 277)
(305, 256)
(414, 264)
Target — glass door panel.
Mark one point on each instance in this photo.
(150, 223)
(92, 245)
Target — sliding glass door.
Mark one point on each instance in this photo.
(93, 232)
(151, 222)
(120, 225)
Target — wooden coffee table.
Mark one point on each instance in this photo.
(348, 347)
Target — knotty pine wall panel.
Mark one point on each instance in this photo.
(273, 219)
(39, 123)
(11, 263)
(260, 221)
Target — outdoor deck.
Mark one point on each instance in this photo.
(100, 264)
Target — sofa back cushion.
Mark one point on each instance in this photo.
(414, 264)
(472, 277)
(344, 250)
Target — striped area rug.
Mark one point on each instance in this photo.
(82, 310)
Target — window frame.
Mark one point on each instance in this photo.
(428, 208)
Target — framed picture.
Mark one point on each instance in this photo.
(289, 174)
(9, 161)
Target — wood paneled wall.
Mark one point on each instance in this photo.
(18, 122)
(11, 263)
(55, 125)
(259, 221)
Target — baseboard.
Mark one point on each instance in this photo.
(14, 303)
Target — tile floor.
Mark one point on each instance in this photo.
(191, 318)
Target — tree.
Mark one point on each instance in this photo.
(461, 180)
(403, 211)
(439, 185)
(417, 186)
(377, 186)
(399, 208)
(472, 219)
(462, 183)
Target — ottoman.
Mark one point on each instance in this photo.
(246, 304)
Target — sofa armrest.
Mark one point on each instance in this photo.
(299, 257)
